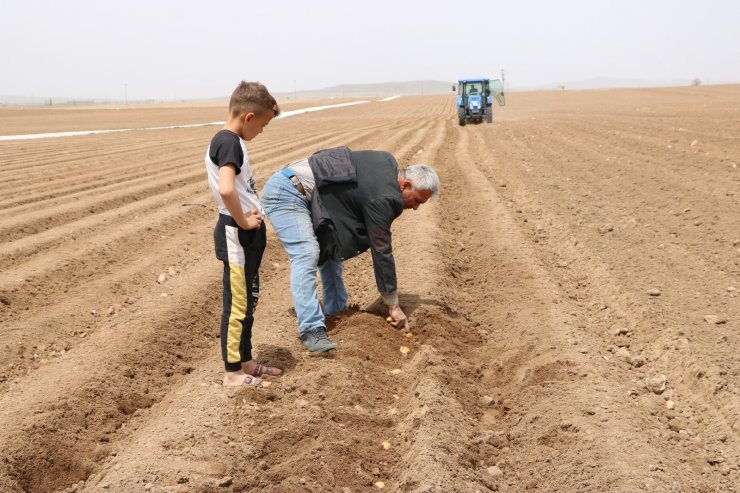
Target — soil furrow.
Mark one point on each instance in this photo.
(614, 304)
(82, 466)
(544, 376)
(573, 261)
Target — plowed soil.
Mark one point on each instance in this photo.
(585, 249)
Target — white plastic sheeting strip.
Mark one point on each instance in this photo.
(94, 132)
(390, 98)
(53, 135)
(286, 114)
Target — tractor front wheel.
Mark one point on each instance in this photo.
(461, 116)
(489, 115)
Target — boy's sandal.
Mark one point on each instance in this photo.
(254, 381)
(269, 371)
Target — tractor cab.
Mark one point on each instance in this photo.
(475, 99)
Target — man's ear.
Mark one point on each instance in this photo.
(405, 185)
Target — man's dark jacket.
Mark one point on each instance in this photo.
(355, 200)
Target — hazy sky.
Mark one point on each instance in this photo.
(197, 49)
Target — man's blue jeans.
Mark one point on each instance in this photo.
(288, 212)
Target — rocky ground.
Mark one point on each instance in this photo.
(573, 303)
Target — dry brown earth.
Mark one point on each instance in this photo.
(580, 244)
(15, 120)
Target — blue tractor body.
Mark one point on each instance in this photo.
(475, 99)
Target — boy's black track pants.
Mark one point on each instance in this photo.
(240, 251)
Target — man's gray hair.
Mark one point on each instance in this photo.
(423, 177)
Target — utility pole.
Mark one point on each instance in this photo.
(503, 79)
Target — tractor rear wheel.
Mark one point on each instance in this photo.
(489, 115)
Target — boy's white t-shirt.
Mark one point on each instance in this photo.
(227, 147)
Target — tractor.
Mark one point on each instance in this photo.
(475, 99)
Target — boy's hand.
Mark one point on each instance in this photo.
(253, 219)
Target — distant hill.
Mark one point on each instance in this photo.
(608, 83)
(33, 101)
(378, 90)
(64, 101)
(383, 89)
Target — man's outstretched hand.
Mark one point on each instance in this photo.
(397, 317)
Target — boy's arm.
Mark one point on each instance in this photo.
(227, 190)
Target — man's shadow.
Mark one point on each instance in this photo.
(410, 303)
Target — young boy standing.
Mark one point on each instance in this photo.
(239, 234)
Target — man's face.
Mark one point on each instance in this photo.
(253, 124)
(412, 199)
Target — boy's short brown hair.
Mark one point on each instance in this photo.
(254, 97)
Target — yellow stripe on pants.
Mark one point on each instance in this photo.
(238, 286)
(238, 311)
